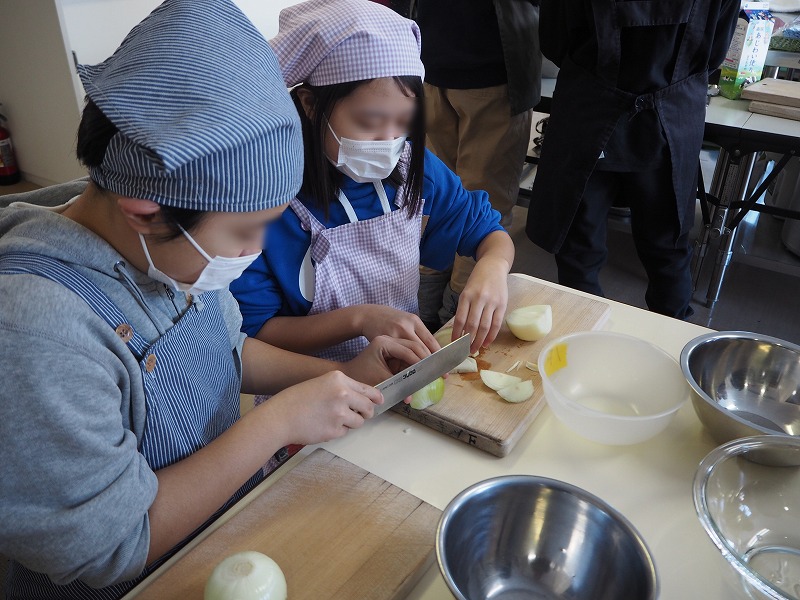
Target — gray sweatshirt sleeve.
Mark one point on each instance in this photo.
(74, 490)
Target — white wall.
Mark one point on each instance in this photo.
(39, 88)
(96, 27)
(37, 91)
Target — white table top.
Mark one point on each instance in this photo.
(649, 483)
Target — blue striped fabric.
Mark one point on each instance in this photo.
(193, 391)
(191, 396)
(204, 119)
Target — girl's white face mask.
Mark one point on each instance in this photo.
(216, 275)
(367, 161)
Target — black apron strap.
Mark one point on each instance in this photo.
(692, 39)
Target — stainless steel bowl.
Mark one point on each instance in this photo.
(744, 384)
(524, 537)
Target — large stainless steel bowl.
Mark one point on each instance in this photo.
(524, 537)
(744, 384)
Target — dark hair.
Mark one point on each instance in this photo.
(94, 134)
(321, 180)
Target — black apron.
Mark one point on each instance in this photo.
(587, 106)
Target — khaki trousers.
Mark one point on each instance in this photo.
(475, 135)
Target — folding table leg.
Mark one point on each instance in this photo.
(735, 184)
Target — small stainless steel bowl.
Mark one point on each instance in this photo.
(744, 384)
(526, 537)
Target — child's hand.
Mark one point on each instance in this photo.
(482, 304)
(376, 319)
(323, 408)
(384, 357)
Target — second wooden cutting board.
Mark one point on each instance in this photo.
(774, 91)
(338, 532)
(476, 415)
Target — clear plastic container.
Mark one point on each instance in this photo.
(611, 388)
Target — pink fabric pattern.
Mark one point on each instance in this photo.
(323, 42)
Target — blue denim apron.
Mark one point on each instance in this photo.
(191, 384)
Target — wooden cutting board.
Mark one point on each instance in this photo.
(475, 414)
(774, 91)
(336, 531)
(775, 110)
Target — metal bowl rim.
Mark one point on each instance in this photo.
(700, 340)
(480, 486)
(712, 460)
(598, 413)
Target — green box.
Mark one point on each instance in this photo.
(747, 53)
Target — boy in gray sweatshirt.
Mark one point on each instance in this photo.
(122, 359)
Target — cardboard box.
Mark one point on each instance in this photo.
(747, 54)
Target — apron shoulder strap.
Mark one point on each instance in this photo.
(61, 273)
(692, 39)
(307, 220)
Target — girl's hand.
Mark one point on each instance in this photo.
(482, 304)
(384, 357)
(376, 319)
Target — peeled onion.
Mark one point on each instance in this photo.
(246, 576)
(497, 380)
(530, 323)
(429, 395)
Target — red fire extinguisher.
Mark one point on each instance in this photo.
(9, 172)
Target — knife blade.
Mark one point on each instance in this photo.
(417, 376)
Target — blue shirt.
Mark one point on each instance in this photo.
(458, 220)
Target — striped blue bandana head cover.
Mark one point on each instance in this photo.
(204, 119)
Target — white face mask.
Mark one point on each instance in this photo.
(366, 161)
(216, 275)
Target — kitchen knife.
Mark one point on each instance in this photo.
(417, 376)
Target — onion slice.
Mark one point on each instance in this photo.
(469, 365)
(497, 380)
(517, 392)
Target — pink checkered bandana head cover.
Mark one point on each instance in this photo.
(323, 42)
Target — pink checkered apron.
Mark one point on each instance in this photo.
(364, 262)
(361, 262)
